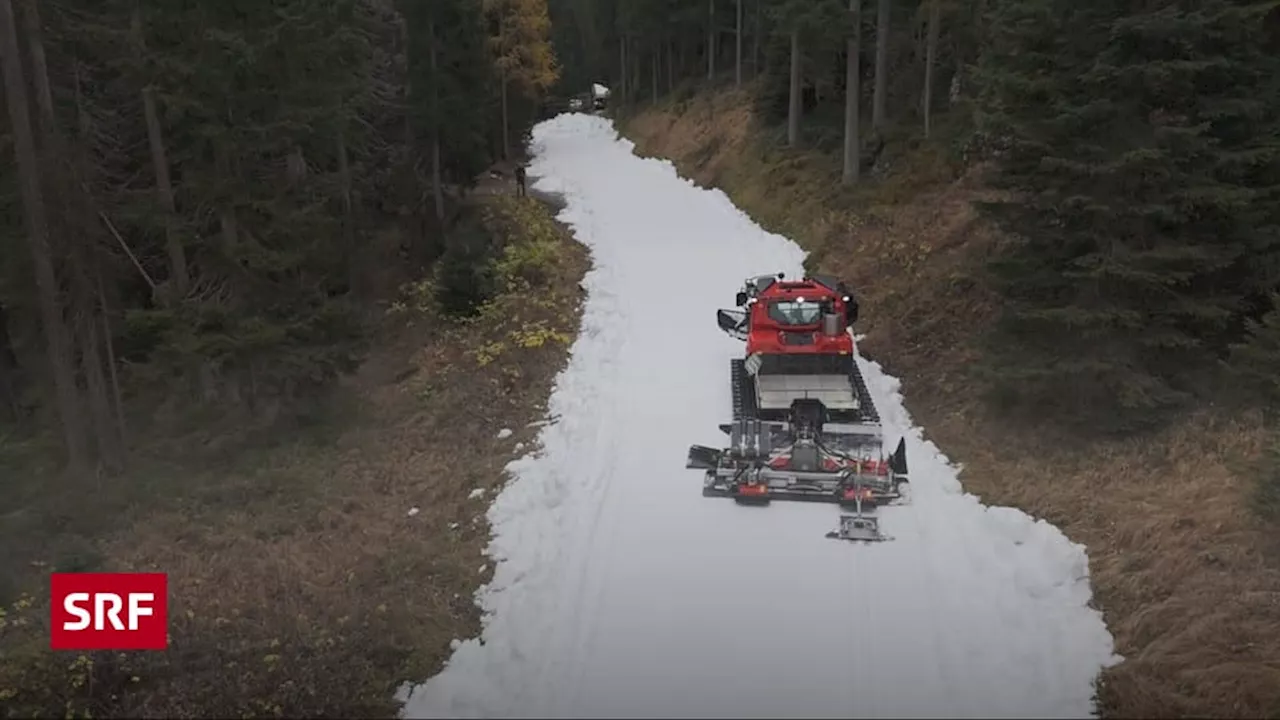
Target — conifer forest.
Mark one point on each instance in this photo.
(213, 211)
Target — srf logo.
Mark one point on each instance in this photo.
(109, 611)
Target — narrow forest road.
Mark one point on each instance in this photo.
(622, 591)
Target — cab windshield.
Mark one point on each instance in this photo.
(790, 312)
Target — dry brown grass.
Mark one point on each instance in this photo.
(1180, 569)
(300, 584)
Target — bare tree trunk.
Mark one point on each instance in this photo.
(930, 54)
(737, 71)
(178, 271)
(84, 308)
(9, 379)
(436, 184)
(636, 68)
(111, 364)
(793, 114)
(882, 63)
(96, 384)
(671, 66)
(83, 124)
(852, 95)
(506, 140)
(656, 52)
(711, 40)
(94, 291)
(622, 67)
(39, 63)
(60, 171)
(59, 342)
(755, 42)
(406, 92)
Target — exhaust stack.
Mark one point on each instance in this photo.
(831, 324)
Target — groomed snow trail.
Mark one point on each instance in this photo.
(622, 591)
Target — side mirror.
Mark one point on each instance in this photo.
(740, 299)
(850, 311)
(733, 323)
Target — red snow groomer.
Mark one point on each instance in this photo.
(804, 426)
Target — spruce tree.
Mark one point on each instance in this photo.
(1136, 148)
(466, 110)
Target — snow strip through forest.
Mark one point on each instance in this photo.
(621, 591)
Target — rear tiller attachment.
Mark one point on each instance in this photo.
(755, 470)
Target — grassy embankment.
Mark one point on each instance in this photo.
(312, 574)
(1186, 576)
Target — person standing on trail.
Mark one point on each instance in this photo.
(520, 189)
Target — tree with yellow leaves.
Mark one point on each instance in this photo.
(522, 52)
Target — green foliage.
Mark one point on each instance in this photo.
(456, 101)
(511, 246)
(1256, 361)
(823, 26)
(299, 137)
(522, 46)
(529, 264)
(466, 277)
(255, 103)
(538, 334)
(530, 261)
(35, 681)
(290, 146)
(1140, 146)
(284, 352)
(238, 665)
(1142, 151)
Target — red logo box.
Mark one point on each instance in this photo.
(109, 611)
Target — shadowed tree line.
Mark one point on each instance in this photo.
(1140, 144)
(201, 198)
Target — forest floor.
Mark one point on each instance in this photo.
(1187, 579)
(312, 575)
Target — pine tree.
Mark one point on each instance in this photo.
(1134, 146)
(463, 83)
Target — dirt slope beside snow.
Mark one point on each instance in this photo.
(621, 591)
